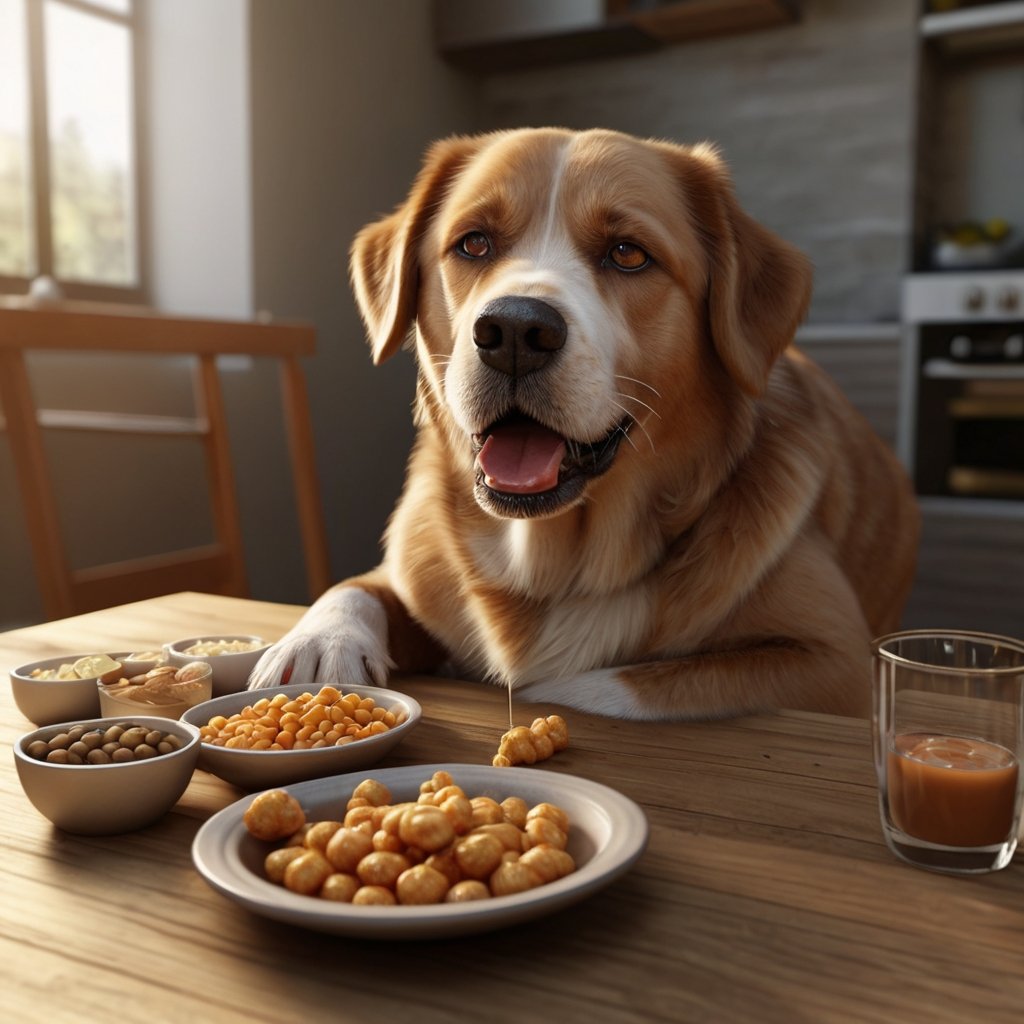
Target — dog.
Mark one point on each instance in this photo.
(629, 494)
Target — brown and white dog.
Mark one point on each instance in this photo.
(628, 494)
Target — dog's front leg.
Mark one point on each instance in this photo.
(357, 632)
(747, 679)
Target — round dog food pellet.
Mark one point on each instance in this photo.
(274, 815)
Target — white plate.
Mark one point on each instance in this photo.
(608, 833)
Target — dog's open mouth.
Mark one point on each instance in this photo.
(526, 469)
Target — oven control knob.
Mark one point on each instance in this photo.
(1009, 299)
(960, 347)
(974, 299)
(1013, 347)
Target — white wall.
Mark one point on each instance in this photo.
(198, 145)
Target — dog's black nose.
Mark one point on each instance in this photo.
(518, 335)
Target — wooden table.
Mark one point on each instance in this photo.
(766, 892)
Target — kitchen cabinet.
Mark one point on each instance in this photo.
(970, 137)
(961, 428)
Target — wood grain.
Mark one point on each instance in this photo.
(765, 894)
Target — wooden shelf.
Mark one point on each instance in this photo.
(513, 40)
(981, 28)
(685, 20)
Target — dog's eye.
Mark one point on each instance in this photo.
(475, 245)
(627, 256)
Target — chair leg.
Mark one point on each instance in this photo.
(223, 496)
(30, 465)
(308, 499)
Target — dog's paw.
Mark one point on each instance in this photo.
(600, 692)
(340, 641)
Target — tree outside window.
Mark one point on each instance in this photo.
(69, 182)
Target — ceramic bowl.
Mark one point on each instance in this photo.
(264, 769)
(46, 701)
(106, 799)
(138, 662)
(230, 670)
(125, 700)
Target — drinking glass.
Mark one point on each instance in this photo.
(948, 727)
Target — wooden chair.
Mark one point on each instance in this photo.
(215, 568)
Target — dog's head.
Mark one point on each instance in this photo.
(581, 300)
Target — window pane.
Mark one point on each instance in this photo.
(88, 76)
(17, 251)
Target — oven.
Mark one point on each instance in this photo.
(962, 415)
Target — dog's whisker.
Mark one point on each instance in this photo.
(650, 440)
(633, 398)
(639, 423)
(643, 384)
(624, 431)
(629, 440)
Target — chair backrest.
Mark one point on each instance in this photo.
(218, 567)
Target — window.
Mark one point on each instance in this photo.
(69, 182)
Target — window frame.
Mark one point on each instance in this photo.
(40, 215)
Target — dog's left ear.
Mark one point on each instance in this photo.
(759, 286)
(383, 265)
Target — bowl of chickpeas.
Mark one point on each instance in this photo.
(262, 738)
(104, 776)
(422, 851)
(231, 656)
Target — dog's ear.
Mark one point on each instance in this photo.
(759, 286)
(383, 264)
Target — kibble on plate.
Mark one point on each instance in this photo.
(444, 847)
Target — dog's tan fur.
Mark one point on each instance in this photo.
(749, 537)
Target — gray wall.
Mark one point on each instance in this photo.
(814, 118)
(346, 97)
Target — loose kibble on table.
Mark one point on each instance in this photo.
(444, 847)
(309, 721)
(126, 741)
(528, 745)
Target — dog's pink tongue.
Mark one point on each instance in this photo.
(522, 458)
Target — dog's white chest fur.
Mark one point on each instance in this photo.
(577, 629)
